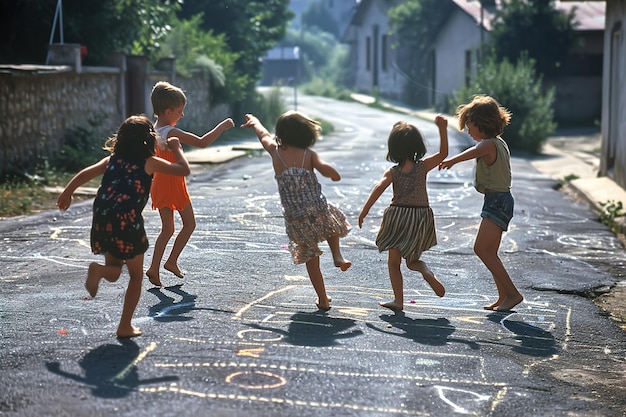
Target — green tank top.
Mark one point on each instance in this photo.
(497, 176)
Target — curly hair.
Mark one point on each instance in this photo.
(485, 113)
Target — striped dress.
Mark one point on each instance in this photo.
(408, 223)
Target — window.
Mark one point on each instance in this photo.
(383, 50)
(468, 67)
(368, 58)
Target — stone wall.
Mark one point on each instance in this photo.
(40, 104)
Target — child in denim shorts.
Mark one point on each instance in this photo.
(485, 121)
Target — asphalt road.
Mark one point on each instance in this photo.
(240, 335)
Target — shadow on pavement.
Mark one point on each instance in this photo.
(434, 332)
(168, 309)
(534, 340)
(110, 370)
(314, 329)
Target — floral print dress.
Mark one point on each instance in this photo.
(117, 226)
(309, 218)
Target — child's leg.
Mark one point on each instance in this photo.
(131, 299)
(486, 247)
(335, 249)
(167, 230)
(395, 275)
(189, 225)
(428, 275)
(110, 271)
(315, 275)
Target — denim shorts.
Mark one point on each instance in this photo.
(498, 207)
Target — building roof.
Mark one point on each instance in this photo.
(588, 15)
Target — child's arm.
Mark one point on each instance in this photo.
(377, 191)
(191, 139)
(482, 148)
(435, 159)
(265, 137)
(179, 168)
(86, 174)
(324, 167)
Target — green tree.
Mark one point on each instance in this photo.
(415, 24)
(534, 27)
(318, 16)
(197, 49)
(104, 26)
(251, 28)
(518, 88)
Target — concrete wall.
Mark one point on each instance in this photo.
(459, 35)
(613, 158)
(374, 26)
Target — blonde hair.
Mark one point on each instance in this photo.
(486, 114)
(166, 96)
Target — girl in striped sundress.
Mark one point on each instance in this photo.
(408, 225)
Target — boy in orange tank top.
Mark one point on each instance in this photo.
(169, 192)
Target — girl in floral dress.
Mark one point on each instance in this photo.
(309, 218)
(117, 229)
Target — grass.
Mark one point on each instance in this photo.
(20, 197)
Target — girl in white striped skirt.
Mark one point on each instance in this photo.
(408, 225)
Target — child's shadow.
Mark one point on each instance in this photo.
(534, 340)
(168, 309)
(110, 370)
(435, 332)
(312, 329)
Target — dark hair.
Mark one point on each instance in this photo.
(295, 129)
(134, 139)
(486, 114)
(405, 142)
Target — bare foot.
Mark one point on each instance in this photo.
(392, 305)
(174, 270)
(132, 331)
(323, 306)
(154, 278)
(492, 305)
(509, 302)
(434, 283)
(342, 264)
(93, 280)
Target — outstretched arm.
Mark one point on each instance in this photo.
(482, 148)
(377, 191)
(435, 159)
(179, 168)
(208, 138)
(324, 167)
(265, 137)
(65, 199)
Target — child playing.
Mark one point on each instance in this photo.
(485, 121)
(117, 229)
(169, 192)
(309, 218)
(408, 225)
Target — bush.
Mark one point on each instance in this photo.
(82, 146)
(518, 88)
(326, 88)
